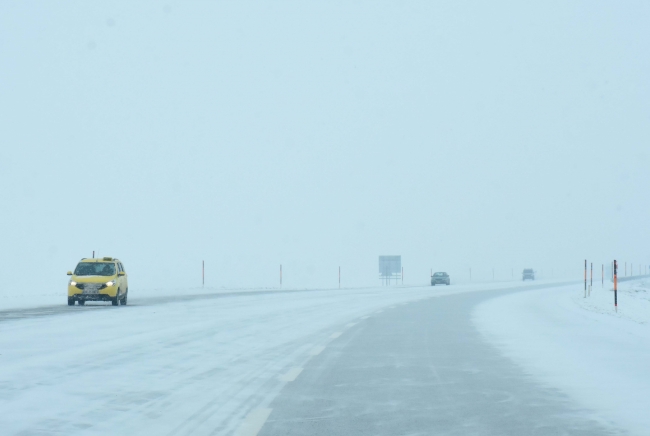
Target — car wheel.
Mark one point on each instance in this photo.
(447, 283)
(70, 301)
(82, 302)
(126, 294)
(115, 301)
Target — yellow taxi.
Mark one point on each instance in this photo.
(98, 279)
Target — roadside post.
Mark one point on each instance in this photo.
(615, 286)
(585, 279)
(591, 278)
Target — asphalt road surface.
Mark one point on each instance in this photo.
(383, 361)
(421, 369)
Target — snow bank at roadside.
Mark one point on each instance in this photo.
(20, 299)
(633, 300)
(597, 356)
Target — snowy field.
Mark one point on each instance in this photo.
(633, 300)
(582, 346)
(173, 366)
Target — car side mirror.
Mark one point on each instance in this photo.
(121, 273)
(69, 273)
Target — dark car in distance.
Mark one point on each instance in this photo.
(528, 274)
(440, 278)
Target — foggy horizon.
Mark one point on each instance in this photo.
(320, 135)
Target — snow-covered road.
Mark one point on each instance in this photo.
(206, 365)
(166, 366)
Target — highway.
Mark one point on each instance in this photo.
(421, 369)
(376, 361)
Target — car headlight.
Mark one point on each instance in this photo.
(111, 283)
(72, 283)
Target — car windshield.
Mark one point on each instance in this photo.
(439, 274)
(95, 269)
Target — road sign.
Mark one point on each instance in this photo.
(390, 267)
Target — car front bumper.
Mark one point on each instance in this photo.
(101, 295)
(92, 297)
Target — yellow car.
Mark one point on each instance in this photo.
(101, 279)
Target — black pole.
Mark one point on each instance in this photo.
(615, 286)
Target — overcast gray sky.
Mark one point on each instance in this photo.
(319, 134)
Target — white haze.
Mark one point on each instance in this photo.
(321, 134)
